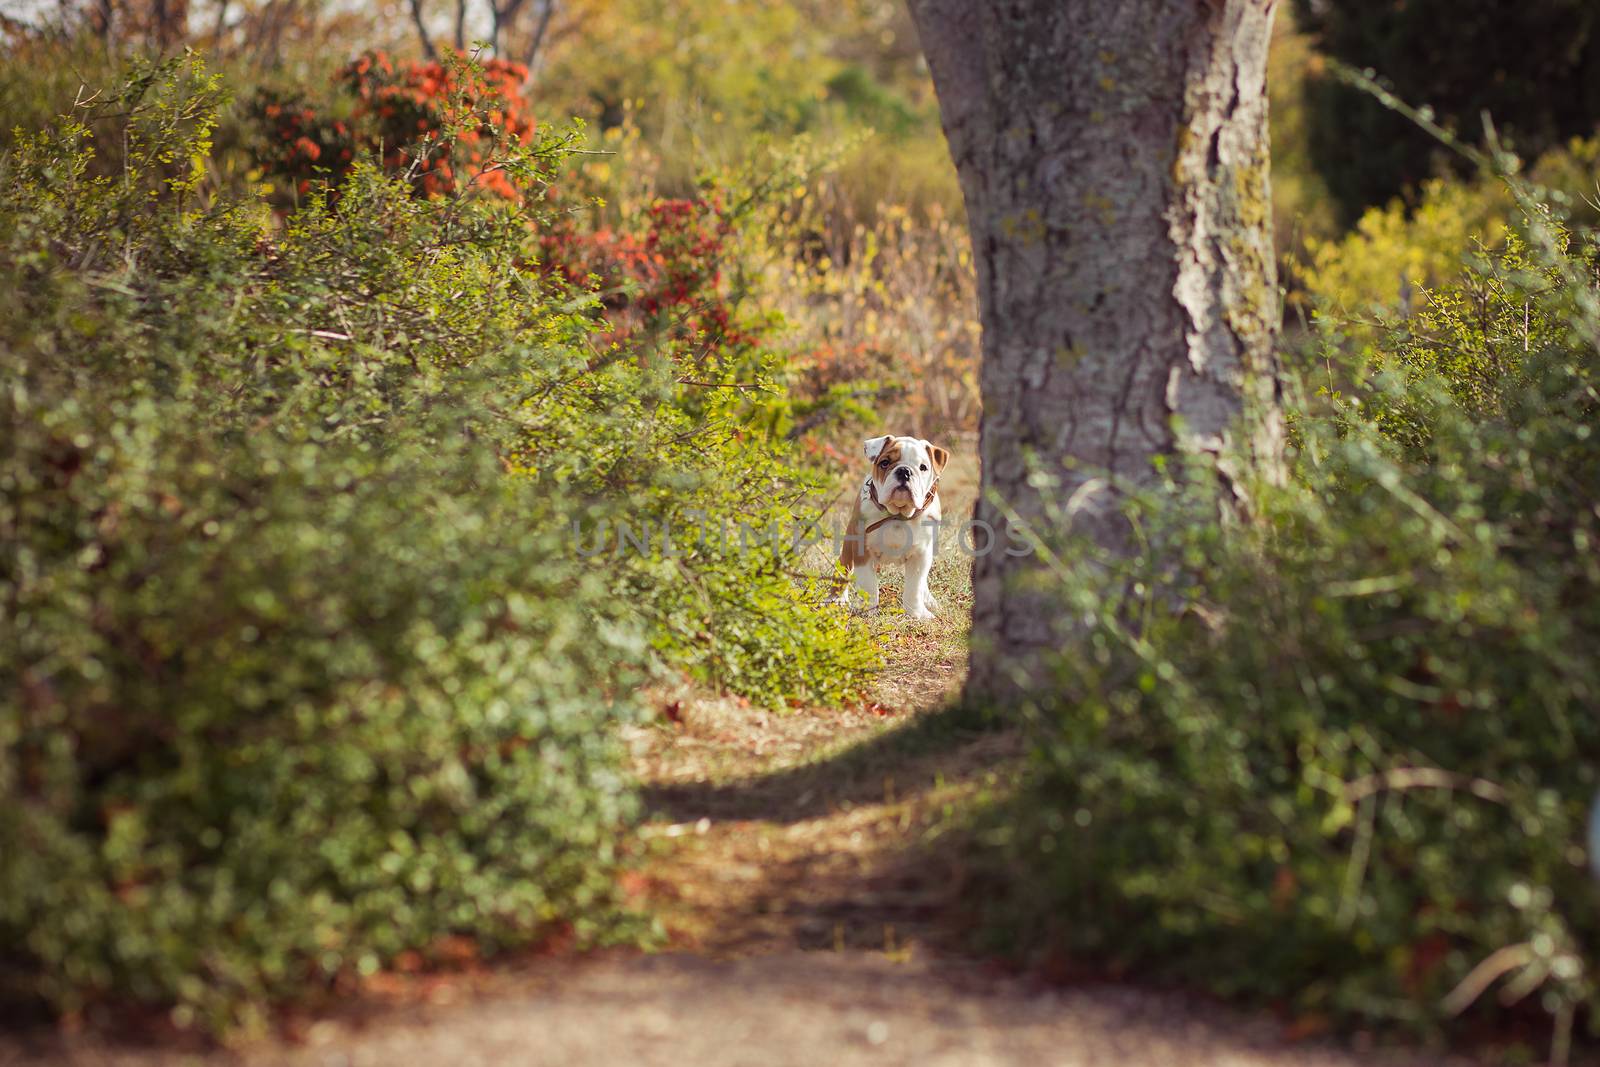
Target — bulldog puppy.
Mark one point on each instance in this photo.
(896, 520)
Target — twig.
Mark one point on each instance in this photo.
(422, 30)
(536, 37)
(721, 385)
(1500, 961)
(1356, 870)
(1422, 778)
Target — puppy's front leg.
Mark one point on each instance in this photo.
(914, 597)
(840, 591)
(866, 579)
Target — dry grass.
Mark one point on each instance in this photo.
(892, 301)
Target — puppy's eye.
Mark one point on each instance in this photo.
(924, 466)
(884, 464)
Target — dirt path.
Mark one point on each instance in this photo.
(823, 1009)
(797, 861)
(790, 1008)
(802, 866)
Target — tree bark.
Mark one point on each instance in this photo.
(1113, 159)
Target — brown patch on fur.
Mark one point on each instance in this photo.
(891, 453)
(853, 549)
(940, 457)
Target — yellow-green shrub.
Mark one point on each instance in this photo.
(1381, 266)
(1395, 251)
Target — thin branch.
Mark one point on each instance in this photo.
(220, 26)
(530, 55)
(1422, 778)
(422, 30)
(722, 385)
(503, 16)
(1481, 977)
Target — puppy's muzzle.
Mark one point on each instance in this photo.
(903, 475)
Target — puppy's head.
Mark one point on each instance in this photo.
(903, 470)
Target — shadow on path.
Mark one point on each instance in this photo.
(855, 849)
(939, 747)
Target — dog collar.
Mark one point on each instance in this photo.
(872, 492)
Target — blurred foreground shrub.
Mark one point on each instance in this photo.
(1341, 751)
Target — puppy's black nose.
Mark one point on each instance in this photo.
(903, 473)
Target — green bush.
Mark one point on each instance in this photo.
(1382, 265)
(1340, 751)
(297, 678)
(303, 668)
(287, 709)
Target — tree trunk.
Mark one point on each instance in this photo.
(541, 27)
(166, 23)
(421, 25)
(1113, 159)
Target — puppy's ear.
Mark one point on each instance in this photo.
(873, 445)
(940, 456)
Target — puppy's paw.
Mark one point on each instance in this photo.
(921, 613)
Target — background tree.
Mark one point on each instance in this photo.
(153, 24)
(1113, 160)
(1534, 66)
(259, 34)
(513, 29)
